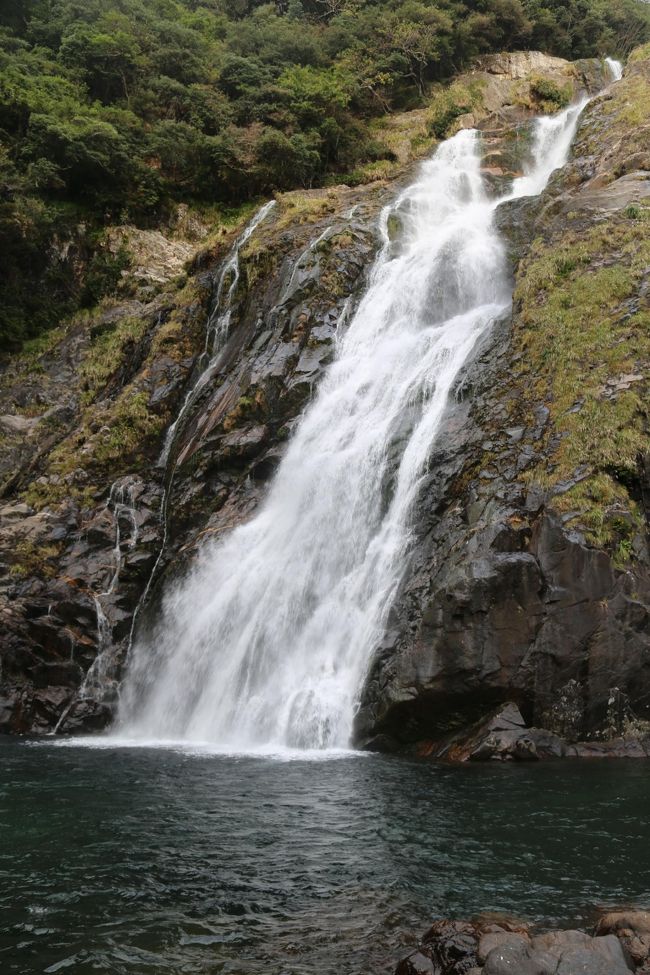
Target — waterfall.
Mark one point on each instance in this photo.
(101, 676)
(267, 639)
(216, 333)
(218, 325)
(615, 67)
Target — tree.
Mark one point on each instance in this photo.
(108, 63)
(285, 162)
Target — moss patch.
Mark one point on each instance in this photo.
(448, 104)
(105, 444)
(617, 126)
(132, 427)
(298, 208)
(584, 335)
(30, 559)
(107, 353)
(641, 53)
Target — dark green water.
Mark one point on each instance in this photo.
(152, 861)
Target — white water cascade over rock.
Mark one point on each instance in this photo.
(217, 326)
(216, 332)
(266, 640)
(615, 67)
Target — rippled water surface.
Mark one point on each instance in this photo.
(125, 860)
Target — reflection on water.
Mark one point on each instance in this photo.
(155, 861)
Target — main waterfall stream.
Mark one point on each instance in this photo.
(264, 644)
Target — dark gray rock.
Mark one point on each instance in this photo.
(417, 964)
(505, 947)
(509, 959)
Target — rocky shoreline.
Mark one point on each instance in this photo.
(495, 945)
(504, 736)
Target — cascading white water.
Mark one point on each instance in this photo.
(218, 325)
(216, 333)
(615, 67)
(267, 639)
(100, 674)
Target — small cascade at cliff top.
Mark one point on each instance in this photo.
(267, 639)
(615, 67)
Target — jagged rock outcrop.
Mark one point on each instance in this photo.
(503, 735)
(506, 596)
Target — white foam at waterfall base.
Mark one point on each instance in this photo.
(265, 643)
(278, 753)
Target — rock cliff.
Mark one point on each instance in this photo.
(126, 442)
(530, 569)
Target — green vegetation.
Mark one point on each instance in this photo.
(118, 429)
(132, 426)
(107, 440)
(586, 341)
(107, 354)
(31, 559)
(450, 103)
(116, 110)
(551, 96)
(641, 53)
(624, 116)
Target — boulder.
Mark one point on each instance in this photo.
(508, 947)
(632, 928)
(492, 940)
(509, 959)
(417, 964)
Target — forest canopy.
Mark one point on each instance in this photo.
(117, 109)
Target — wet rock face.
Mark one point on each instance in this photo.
(517, 623)
(530, 572)
(494, 945)
(83, 525)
